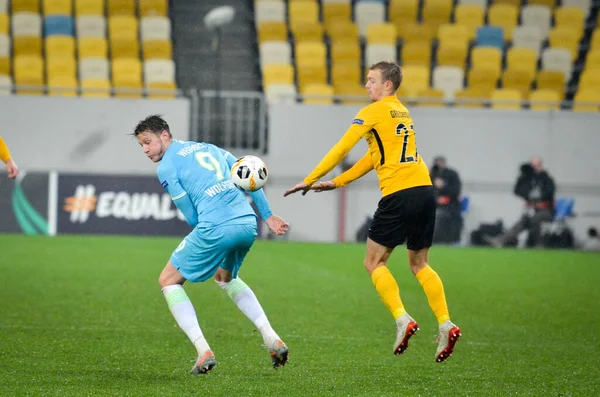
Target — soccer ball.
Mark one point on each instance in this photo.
(249, 173)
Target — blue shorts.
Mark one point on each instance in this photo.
(206, 249)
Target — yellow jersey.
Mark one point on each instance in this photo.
(389, 131)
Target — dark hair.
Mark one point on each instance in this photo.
(154, 123)
(389, 71)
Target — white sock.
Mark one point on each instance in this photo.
(185, 315)
(246, 301)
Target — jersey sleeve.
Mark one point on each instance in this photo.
(229, 158)
(359, 169)
(364, 121)
(168, 179)
(4, 152)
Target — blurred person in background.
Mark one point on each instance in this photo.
(447, 188)
(11, 166)
(593, 241)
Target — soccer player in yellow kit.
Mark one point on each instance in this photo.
(5, 156)
(406, 212)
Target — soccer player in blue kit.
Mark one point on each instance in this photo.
(197, 177)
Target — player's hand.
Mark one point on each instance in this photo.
(323, 186)
(299, 187)
(277, 225)
(12, 169)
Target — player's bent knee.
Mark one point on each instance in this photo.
(170, 276)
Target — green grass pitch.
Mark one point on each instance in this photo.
(83, 316)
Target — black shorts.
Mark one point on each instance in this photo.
(405, 216)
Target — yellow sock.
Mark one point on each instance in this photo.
(388, 290)
(434, 289)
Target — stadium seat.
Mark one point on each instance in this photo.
(57, 66)
(517, 79)
(592, 60)
(402, 12)
(416, 33)
(377, 52)
(58, 7)
(448, 79)
(90, 26)
(595, 43)
(587, 101)
(312, 72)
(551, 80)
(29, 71)
(5, 66)
(312, 31)
(480, 3)
(492, 36)
(93, 69)
(5, 49)
(565, 37)
(281, 93)
(470, 15)
(431, 97)
(336, 12)
(558, 59)
(353, 93)
(161, 90)
(544, 99)
(159, 70)
(522, 59)
(127, 77)
(122, 27)
(368, 12)
(508, 99)
(345, 52)
(26, 45)
(381, 33)
(416, 53)
(453, 34)
(25, 6)
(472, 97)
(124, 48)
(504, 16)
(157, 49)
(590, 79)
(62, 46)
(90, 47)
(120, 7)
(26, 24)
(319, 94)
(528, 37)
(272, 31)
(269, 11)
(570, 17)
(548, 3)
(484, 77)
(301, 12)
(415, 79)
(437, 12)
(277, 74)
(343, 31)
(310, 52)
(343, 74)
(62, 86)
(58, 25)
(452, 54)
(275, 52)
(6, 85)
(4, 6)
(4, 23)
(155, 28)
(583, 5)
(153, 8)
(95, 88)
(538, 16)
(89, 7)
(488, 57)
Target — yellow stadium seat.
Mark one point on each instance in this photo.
(571, 17)
(403, 11)
(170, 88)
(416, 33)
(301, 12)
(488, 57)
(29, 71)
(483, 77)
(272, 31)
(516, 3)
(590, 79)
(318, 94)
(277, 74)
(592, 60)
(437, 12)
(544, 100)
(60, 66)
(150, 8)
(547, 3)
(452, 54)
(25, 45)
(4, 24)
(343, 31)
(587, 100)
(62, 86)
(517, 79)
(120, 7)
(506, 98)
(453, 34)
(472, 97)
(523, 59)
(25, 6)
(89, 7)
(551, 80)
(345, 52)
(416, 54)
(381, 33)
(95, 88)
(565, 37)
(355, 92)
(471, 16)
(122, 27)
(311, 73)
(60, 46)
(63, 7)
(124, 49)
(158, 49)
(415, 78)
(4, 66)
(504, 16)
(127, 78)
(435, 96)
(345, 74)
(311, 52)
(595, 42)
(92, 47)
(309, 32)
(336, 12)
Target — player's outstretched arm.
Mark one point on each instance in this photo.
(11, 166)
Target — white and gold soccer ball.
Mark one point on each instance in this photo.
(249, 173)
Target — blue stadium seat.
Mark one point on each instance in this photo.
(492, 36)
(58, 25)
(464, 204)
(564, 208)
